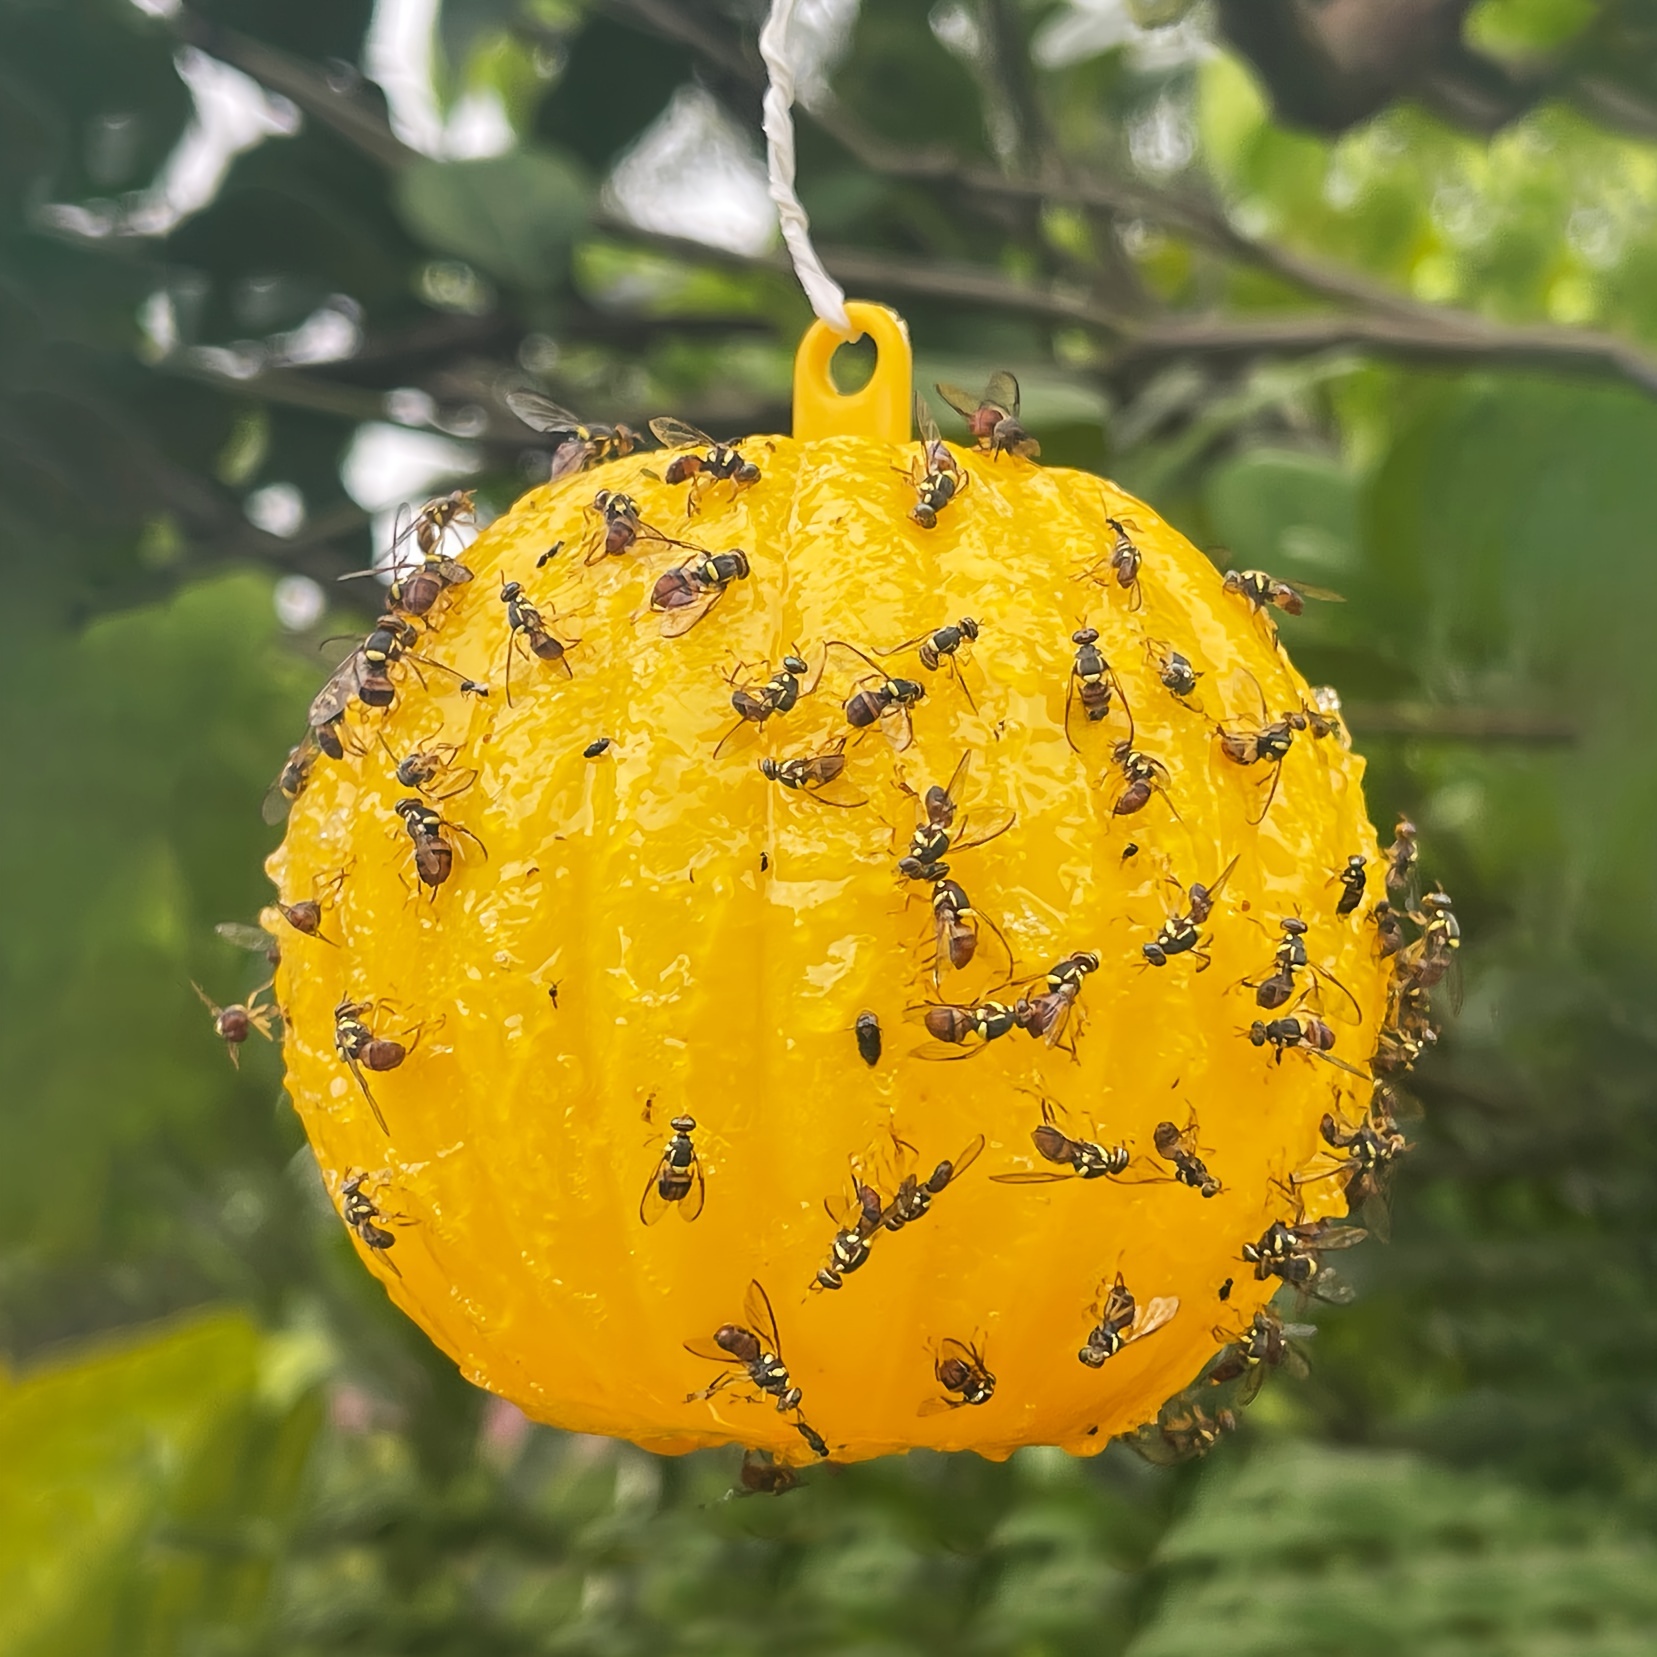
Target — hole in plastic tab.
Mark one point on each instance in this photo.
(881, 409)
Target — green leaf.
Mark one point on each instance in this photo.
(1526, 28)
(515, 216)
(138, 1485)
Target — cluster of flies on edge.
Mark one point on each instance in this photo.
(1420, 966)
(1303, 1028)
(1290, 1251)
(1190, 1424)
(1362, 1155)
(683, 595)
(1268, 742)
(417, 583)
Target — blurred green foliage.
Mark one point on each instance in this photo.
(216, 1439)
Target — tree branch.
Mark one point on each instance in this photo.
(1459, 724)
(354, 119)
(1181, 212)
(1471, 341)
(1386, 324)
(1429, 329)
(731, 59)
(1456, 338)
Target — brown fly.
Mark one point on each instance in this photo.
(992, 416)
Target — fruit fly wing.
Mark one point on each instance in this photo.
(938, 1406)
(1153, 1315)
(373, 1103)
(653, 1205)
(402, 527)
(711, 1350)
(1141, 1172)
(1221, 878)
(335, 696)
(944, 1052)
(1343, 1004)
(244, 937)
(897, 727)
(968, 1156)
(567, 459)
(847, 1212)
(679, 621)
(958, 776)
(1002, 391)
(1061, 1022)
(1341, 1064)
(908, 644)
(1150, 1445)
(675, 434)
(963, 402)
(756, 1307)
(542, 414)
(1033, 1177)
(1270, 787)
(1323, 593)
(1377, 1215)
(925, 423)
(690, 1205)
(1113, 1301)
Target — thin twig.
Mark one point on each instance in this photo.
(1142, 339)
(352, 118)
(1460, 724)
(1179, 211)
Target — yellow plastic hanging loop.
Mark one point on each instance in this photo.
(881, 409)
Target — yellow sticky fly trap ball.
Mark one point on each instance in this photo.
(834, 944)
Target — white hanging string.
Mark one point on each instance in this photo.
(828, 298)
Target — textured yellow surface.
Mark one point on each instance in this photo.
(713, 937)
